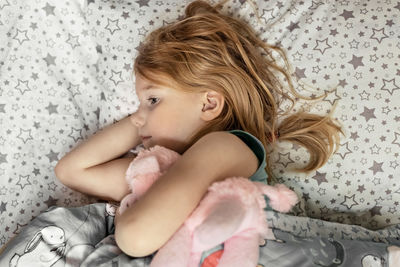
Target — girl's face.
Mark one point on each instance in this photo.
(166, 117)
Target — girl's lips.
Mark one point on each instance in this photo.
(145, 137)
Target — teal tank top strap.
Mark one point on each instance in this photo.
(258, 148)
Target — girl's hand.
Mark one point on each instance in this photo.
(116, 217)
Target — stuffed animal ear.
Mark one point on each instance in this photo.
(223, 220)
(282, 199)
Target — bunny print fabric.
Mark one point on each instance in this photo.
(83, 236)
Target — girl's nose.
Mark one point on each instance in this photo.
(137, 119)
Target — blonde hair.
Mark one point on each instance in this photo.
(207, 50)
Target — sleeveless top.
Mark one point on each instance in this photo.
(258, 149)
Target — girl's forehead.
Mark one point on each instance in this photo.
(145, 87)
(142, 85)
(149, 80)
(148, 88)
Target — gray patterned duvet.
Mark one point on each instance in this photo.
(83, 236)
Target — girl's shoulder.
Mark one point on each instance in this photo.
(224, 154)
(258, 149)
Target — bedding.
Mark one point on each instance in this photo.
(84, 236)
(66, 71)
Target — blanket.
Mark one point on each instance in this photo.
(84, 236)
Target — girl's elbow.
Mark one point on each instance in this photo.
(65, 175)
(61, 173)
(133, 242)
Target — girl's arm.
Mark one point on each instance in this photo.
(94, 168)
(152, 220)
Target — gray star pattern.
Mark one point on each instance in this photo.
(23, 181)
(368, 113)
(50, 60)
(50, 202)
(143, 3)
(52, 108)
(376, 167)
(322, 45)
(347, 14)
(22, 86)
(300, 73)
(73, 40)
(4, 4)
(320, 178)
(25, 135)
(49, 9)
(356, 62)
(21, 36)
(3, 158)
(379, 34)
(390, 86)
(3, 207)
(349, 202)
(112, 26)
(53, 156)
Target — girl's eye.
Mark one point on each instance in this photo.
(153, 100)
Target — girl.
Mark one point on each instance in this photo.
(209, 89)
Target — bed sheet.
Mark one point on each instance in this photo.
(66, 71)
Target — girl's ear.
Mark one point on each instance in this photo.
(213, 102)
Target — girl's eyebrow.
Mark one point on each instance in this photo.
(150, 87)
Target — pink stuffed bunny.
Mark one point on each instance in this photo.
(232, 212)
(144, 170)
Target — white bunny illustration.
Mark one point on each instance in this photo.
(45, 248)
(372, 261)
(392, 261)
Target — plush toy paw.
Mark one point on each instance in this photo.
(144, 170)
(163, 156)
